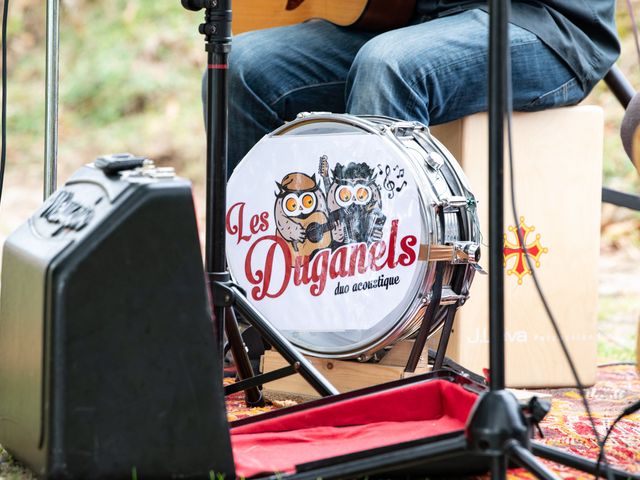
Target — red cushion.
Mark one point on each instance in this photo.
(384, 418)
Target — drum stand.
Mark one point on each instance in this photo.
(224, 293)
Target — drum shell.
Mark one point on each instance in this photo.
(444, 219)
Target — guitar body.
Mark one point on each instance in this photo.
(318, 236)
(376, 15)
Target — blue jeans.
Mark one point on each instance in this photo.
(432, 72)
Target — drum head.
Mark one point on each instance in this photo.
(325, 222)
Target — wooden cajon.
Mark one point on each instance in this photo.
(558, 178)
(345, 375)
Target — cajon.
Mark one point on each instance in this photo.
(558, 178)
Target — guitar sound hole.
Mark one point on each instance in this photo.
(315, 231)
(293, 4)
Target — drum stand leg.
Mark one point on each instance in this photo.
(217, 31)
(428, 321)
(437, 358)
(231, 295)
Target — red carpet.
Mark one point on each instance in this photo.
(567, 425)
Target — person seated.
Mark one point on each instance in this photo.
(433, 70)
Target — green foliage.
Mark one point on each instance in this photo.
(9, 470)
(612, 353)
(617, 327)
(130, 73)
(125, 61)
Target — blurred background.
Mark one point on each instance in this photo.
(130, 81)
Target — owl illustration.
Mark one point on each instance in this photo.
(354, 201)
(301, 216)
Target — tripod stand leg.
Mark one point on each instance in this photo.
(499, 468)
(444, 337)
(526, 459)
(240, 357)
(574, 461)
(283, 346)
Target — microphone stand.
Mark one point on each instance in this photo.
(497, 426)
(224, 293)
(51, 97)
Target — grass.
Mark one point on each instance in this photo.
(10, 470)
(610, 352)
(617, 327)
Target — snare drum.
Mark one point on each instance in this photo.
(335, 224)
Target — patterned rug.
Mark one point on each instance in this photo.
(567, 425)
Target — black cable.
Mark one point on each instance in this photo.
(3, 153)
(616, 364)
(634, 407)
(541, 294)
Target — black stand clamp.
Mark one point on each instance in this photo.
(217, 31)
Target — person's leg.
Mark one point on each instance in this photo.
(436, 71)
(274, 74)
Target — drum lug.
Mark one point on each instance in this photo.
(449, 297)
(466, 252)
(479, 269)
(406, 125)
(455, 202)
(403, 128)
(434, 160)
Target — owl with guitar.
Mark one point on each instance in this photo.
(301, 215)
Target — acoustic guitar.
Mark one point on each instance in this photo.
(375, 15)
(318, 237)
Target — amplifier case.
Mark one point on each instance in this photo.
(108, 363)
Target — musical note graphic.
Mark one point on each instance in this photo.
(392, 177)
